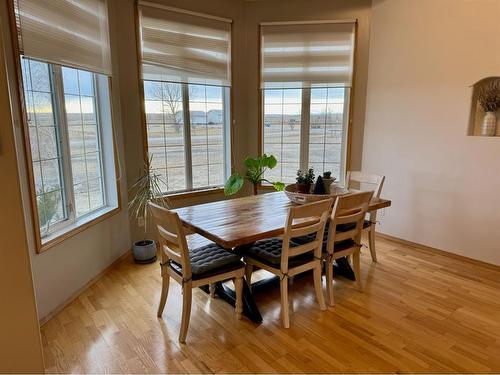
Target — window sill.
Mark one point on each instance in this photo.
(194, 193)
(69, 231)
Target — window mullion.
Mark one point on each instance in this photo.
(187, 136)
(304, 129)
(64, 144)
(345, 130)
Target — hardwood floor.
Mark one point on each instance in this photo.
(420, 312)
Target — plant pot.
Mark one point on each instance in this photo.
(327, 182)
(304, 188)
(489, 124)
(144, 251)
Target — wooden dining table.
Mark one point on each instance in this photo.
(239, 222)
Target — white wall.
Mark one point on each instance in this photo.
(445, 185)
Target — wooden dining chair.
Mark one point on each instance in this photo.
(375, 183)
(349, 211)
(285, 258)
(194, 267)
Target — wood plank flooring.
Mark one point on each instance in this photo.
(420, 312)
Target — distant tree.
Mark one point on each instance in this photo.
(171, 96)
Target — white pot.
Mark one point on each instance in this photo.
(489, 124)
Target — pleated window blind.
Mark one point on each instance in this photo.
(185, 48)
(72, 33)
(307, 55)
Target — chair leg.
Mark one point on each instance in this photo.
(186, 310)
(357, 269)
(165, 283)
(211, 288)
(318, 286)
(290, 293)
(329, 282)
(371, 241)
(238, 289)
(248, 274)
(285, 315)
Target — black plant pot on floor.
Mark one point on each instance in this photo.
(144, 251)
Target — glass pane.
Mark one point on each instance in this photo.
(88, 110)
(176, 179)
(199, 155)
(96, 193)
(152, 90)
(175, 156)
(73, 110)
(50, 175)
(70, 81)
(37, 174)
(47, 141)
(200, 176)
(50, 209)
(216, 154)
(156, 135)
(91, 138)
(76, 142)
(35, 153)
(82, 204)
(44, 114)
(214, 94)
(86, 81)
(93, 165)
(79, 169)
(216, 174)
(197, 93)
(40, 76)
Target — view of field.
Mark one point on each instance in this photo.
(45, 135)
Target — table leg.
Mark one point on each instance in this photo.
(250, 309)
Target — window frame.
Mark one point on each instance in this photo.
(347, 121)
(228, 119)
(18, 92)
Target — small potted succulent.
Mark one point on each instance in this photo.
(327, 181)
(305, 181)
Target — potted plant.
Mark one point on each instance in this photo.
(305, 181)
(145, 189)
(256, 167)
(327, 181)
(489, 98)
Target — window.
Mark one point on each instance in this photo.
(186, 84)
(65, 67)
(65, 138)
(306, 76)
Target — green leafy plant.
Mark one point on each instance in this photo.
(145, 189)
(489, 96)
(47, 208)
(256, 167)
(305, 178)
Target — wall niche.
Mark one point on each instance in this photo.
(484, 117)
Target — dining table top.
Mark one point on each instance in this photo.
(240, 221)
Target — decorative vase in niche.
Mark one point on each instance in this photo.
(489, 124)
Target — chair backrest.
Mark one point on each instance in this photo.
(303, 220)
(374, 180)
(349, 210)
(172, 238)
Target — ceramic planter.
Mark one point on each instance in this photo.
(144, 251)
(489, 125)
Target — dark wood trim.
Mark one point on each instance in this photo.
(19, 89)
(351, 101)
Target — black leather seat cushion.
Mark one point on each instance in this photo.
(339, 245)
(210, 260)
(350, 226)
(269, 252)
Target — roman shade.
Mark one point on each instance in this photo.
(302, 55)
(184, 47)
(65, 32)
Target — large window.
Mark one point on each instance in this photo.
(65, 137)
(187, 134)
(65, 68)
(306, 77)
(186, 77)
